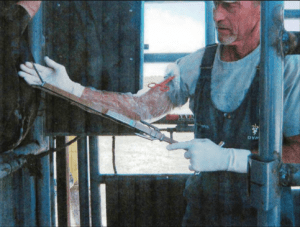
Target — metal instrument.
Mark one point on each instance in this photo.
(163, 86)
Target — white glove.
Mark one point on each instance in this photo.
(206, 156)
(55, 75)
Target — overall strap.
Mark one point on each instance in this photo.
(205, 71)
(254, 93)
(208, 60)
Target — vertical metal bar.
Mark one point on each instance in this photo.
(83, 182)
(142, 46)
(52, 184)
(210, 37)
(43, 184)
(29, 198)
(63, 202)
(94, 179)
(271, 100)
(43, 194)
(271, 81)
(36, 36)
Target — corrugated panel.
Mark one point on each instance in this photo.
(18, 200)
(99, 44)
(149, 200)
(6, 202)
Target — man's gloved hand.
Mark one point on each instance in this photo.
(55, 75)
(207, 156)
(31, 6)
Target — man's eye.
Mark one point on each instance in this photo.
(226, 5)
(216, 3)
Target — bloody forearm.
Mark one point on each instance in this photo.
(152, 104)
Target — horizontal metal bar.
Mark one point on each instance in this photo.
(11, 166)
(104, 177)
(292, 14)
(12, 161)
(151, 58)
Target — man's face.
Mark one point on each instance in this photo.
(235, 21)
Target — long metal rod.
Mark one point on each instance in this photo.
(210, 37)
(95, 186)
(44, 194)
(43, 184)
(291, 14)
(29, 201)
(141, 76)
(271, 81)
(152, 58)
(63, 203)
(52, 183)
(83, 182)
(271, 98)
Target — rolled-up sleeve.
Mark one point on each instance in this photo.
(186, 71)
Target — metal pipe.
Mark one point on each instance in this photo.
(210, 32)
(269, 218)
(141, 77)
(95, 186)
(63, 188)
(43, 184)
(291, 14)
(44, 194)
(11, 166)
(271, 115)
(103, 178)
(114, 154)
(12, 162)
(271, 81)
(83, 182)
(52, 183)
(151, 58)
(29, 201)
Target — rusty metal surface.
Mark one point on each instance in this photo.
(289, 175)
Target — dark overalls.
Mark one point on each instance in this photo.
(220, 198)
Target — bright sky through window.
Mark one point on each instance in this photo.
(179, 26)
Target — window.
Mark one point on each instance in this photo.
(172, 27)
(292, 24)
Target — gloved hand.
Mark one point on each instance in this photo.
(31, 6)
(55, 75)
(207, 156)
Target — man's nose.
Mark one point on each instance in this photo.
(219, 13)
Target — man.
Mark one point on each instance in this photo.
(221, 82)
